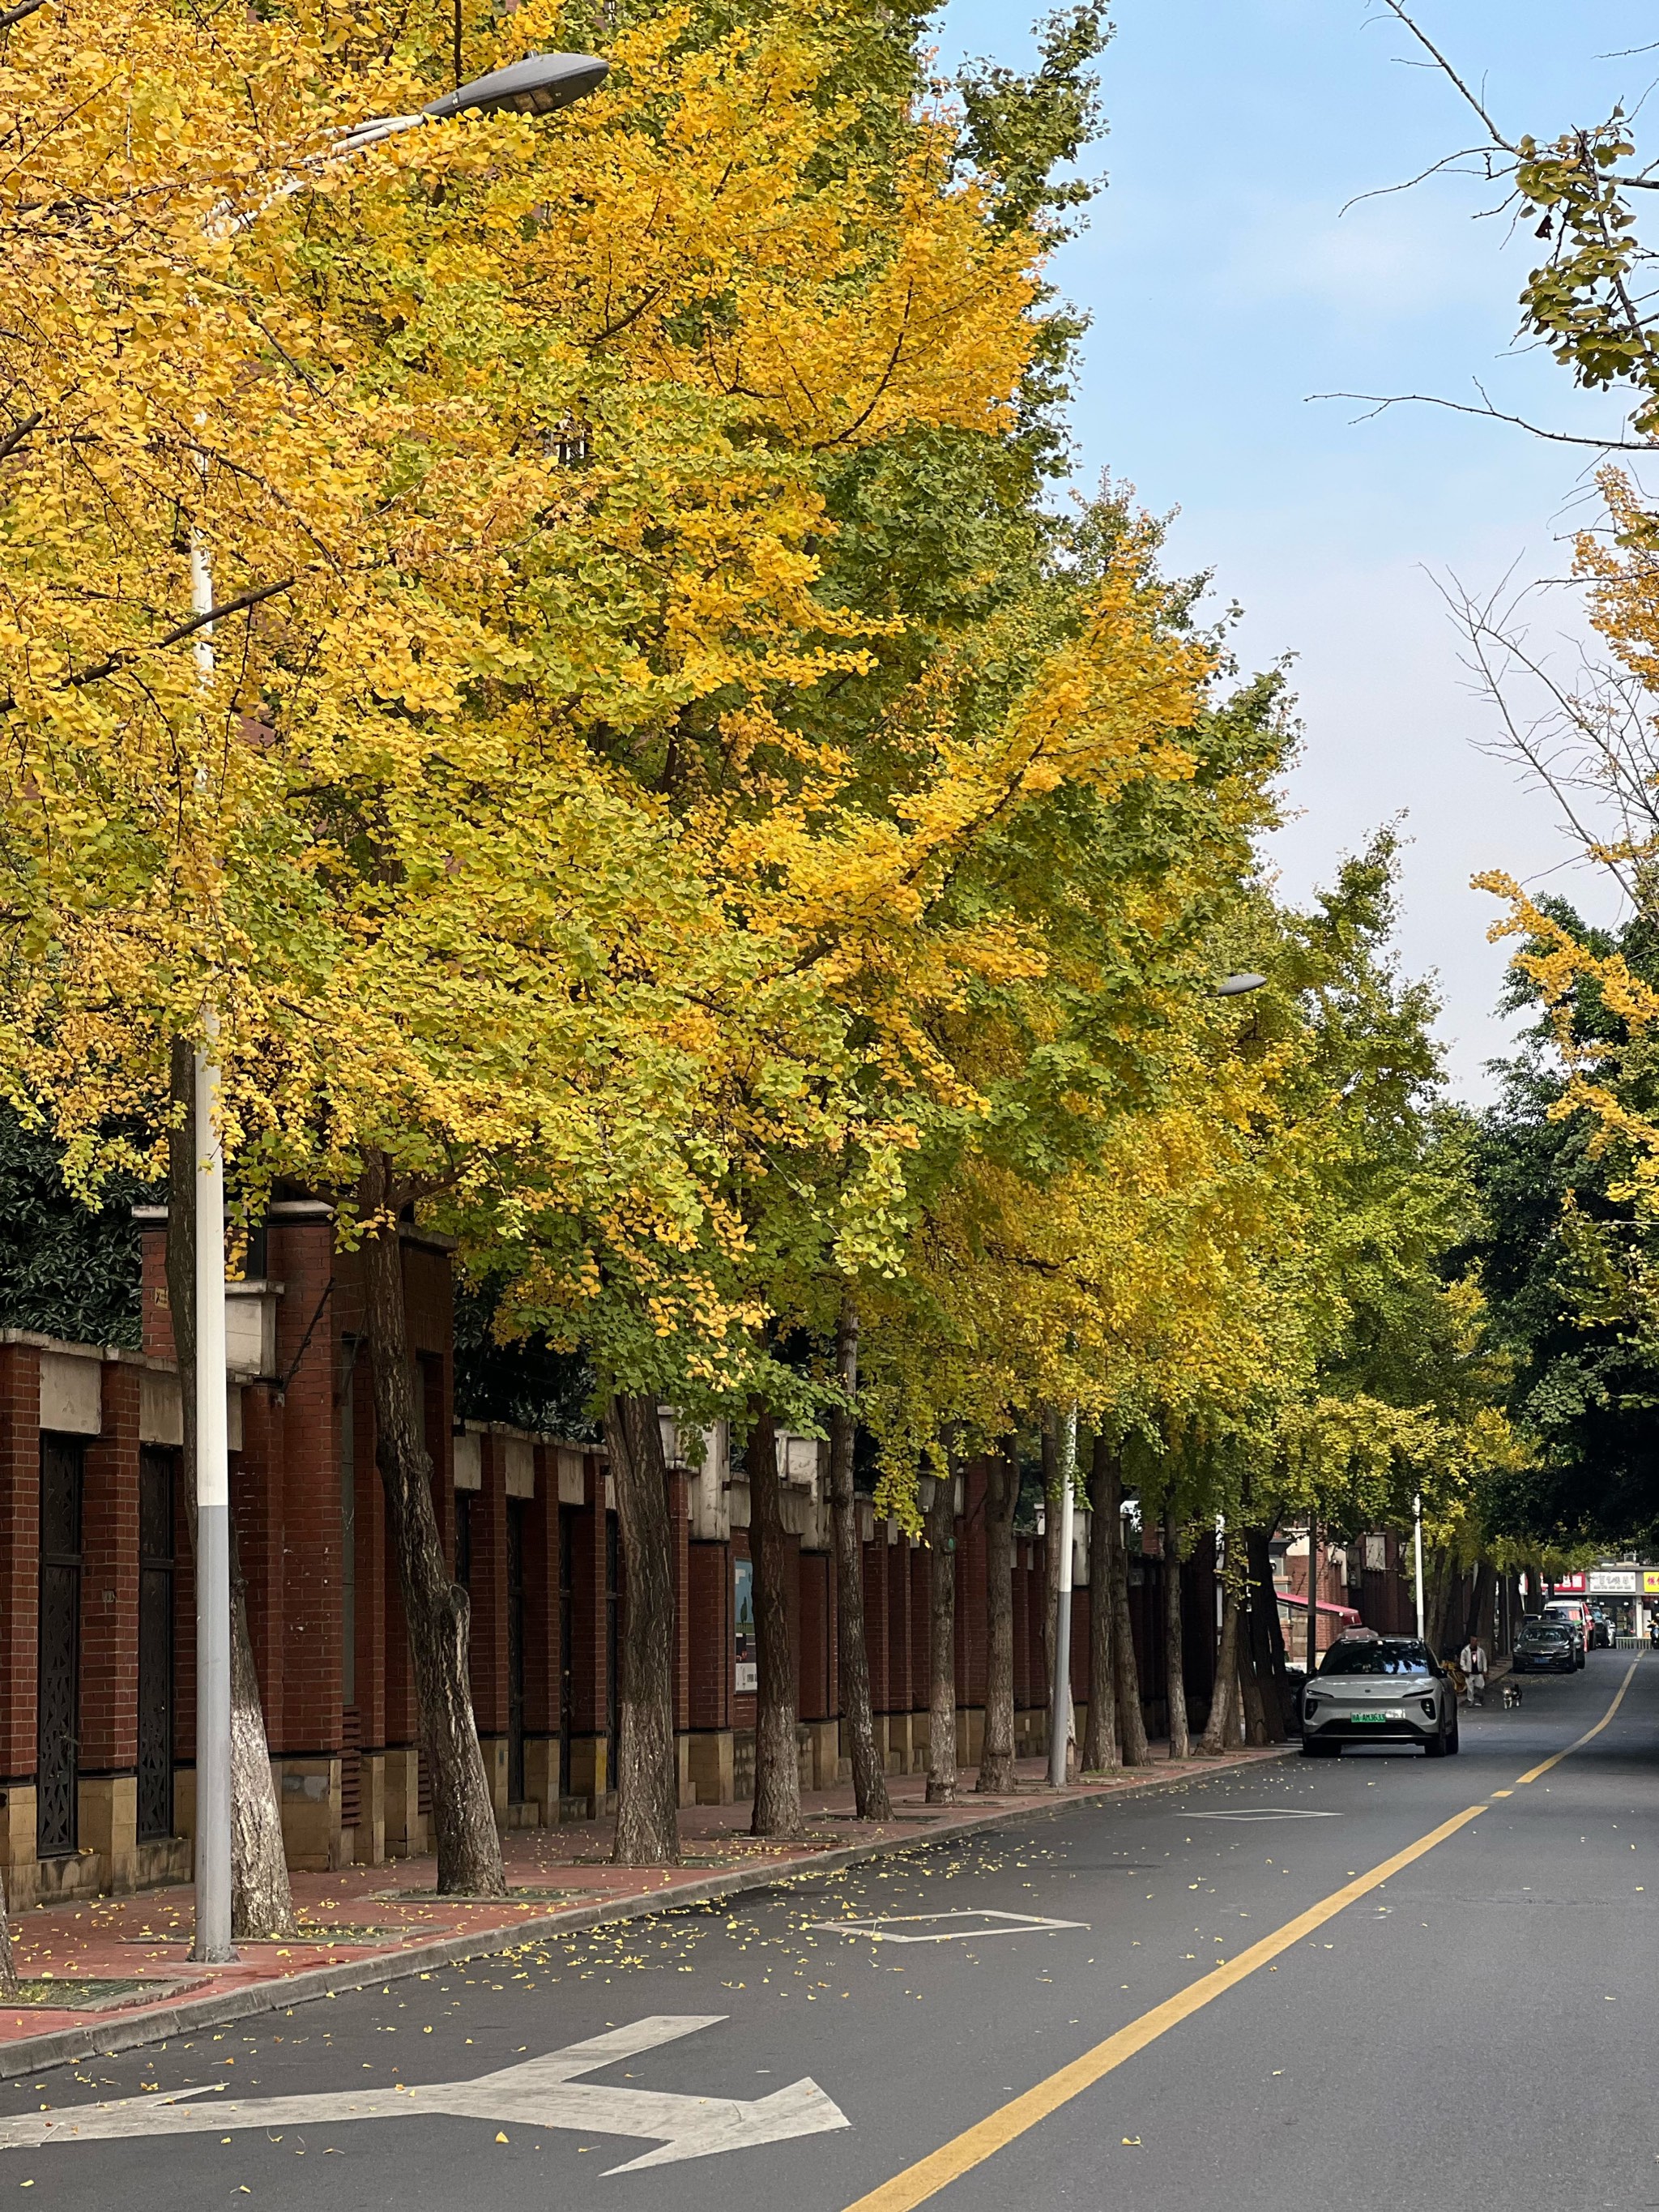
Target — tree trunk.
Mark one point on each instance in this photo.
(1441, 1609)
(435, 1607)
(942, 1643)
(1100, 1750)
(1218, 1731)
(996, 1765)
(858, 1719)
(1131, 1719)
(1264, 1634)
(1174, 1647)
(8, 1988)
(1480, 1602)
(1249, 1689)
(261, 1899)
(647, 1767)
(777, 1761)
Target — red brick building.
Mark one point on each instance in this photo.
(97, 1639)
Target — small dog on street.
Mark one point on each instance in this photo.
(1512, 1695)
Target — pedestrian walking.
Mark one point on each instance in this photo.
(1472, 1659)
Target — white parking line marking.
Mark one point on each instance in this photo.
(889, 1928)
(1265, 1812)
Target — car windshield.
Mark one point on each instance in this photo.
(1388, 1655)
(1553, 1633)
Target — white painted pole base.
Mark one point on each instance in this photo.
(213, 1944)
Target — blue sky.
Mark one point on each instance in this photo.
(1226, 285)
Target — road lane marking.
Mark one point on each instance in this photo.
(1533, 1775)
(998, 2129)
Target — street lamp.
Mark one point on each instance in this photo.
(536, 85)
(1235, 987)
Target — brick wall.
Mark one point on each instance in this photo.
(815, 1669)
(541, 1599)
(109, 1582)
(19, 1556)
(487, 1586)
(709, 1574)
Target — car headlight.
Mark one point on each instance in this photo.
(1428, 1706)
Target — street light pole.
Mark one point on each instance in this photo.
(1417, 1559)
(536, 85)
(1060, 1716)
(213, 1944)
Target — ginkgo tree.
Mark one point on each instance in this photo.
(502, 441)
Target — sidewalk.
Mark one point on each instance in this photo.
(128, 1958)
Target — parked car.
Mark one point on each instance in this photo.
(1372, 1688)
(1547, 1646)
(1576, 1613)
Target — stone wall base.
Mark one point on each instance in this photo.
(710, 1758)
(406, 1825)
(308, 1794)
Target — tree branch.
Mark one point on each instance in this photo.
(14, 437)
(235, 606)
(1378, 402)
(103, 668)
(1400, 16)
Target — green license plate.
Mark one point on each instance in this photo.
(1370, 1716)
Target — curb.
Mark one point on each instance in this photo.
(61, 2046)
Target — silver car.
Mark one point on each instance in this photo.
(1378, 1689)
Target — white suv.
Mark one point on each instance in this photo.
(1378, 1689)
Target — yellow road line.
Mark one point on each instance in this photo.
(986, 2136)
(1536, 1771)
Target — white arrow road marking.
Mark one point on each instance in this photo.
(545, 2092)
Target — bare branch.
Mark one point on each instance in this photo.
(10, 15)
(1407, 184)
(1378, 402)
(1591, 743)
(1401, 16)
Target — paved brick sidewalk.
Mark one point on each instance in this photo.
(365, 1923)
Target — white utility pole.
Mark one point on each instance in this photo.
(212, 1946)
(1416, 1557)
(1059, 1714)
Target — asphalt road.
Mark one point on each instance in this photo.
(1474, 2030)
